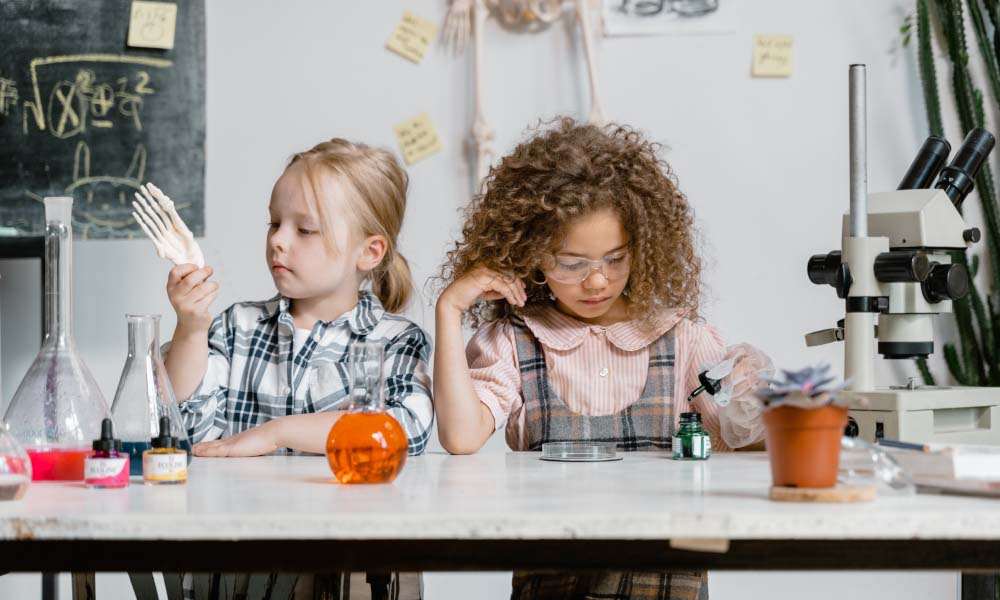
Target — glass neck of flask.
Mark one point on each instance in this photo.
(58, 293)
(143, 335)
(365, 371)
(366, 397)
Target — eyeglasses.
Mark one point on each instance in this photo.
(566, 269)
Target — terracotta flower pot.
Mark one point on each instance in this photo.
(804, 445)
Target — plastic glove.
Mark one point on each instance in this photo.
(740, 421)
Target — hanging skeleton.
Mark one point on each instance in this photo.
(466, 19)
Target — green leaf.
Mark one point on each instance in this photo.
(985, 331)
(928, 71)
(951, 359)
(925, 372)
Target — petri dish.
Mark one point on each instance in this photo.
(580, 451)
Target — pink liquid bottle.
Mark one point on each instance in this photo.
(57, 409)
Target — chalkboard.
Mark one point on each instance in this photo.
(84, 115)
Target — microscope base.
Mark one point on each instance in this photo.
(943, 415)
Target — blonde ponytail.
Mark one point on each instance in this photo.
(392, 281)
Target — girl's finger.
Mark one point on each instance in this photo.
(508, 291)
(206, 301)
(518, 287)
(192, 280)
(180, 272)
(203, 291)
(208, 448)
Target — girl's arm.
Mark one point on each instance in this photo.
(191, 295)
(464, 423)
(305, 433)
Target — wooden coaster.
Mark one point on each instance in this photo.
(838, 493)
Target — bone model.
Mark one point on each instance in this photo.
(466, 19)
(155, 213)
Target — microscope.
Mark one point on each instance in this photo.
(894, 272)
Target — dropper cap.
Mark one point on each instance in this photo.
(712, 386)
(106, 443)
(164, 440)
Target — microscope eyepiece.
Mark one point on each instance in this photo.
(958, 178)
(927, 164)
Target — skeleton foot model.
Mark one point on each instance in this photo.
(155, 213)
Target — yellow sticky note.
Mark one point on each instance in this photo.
(152, 24)
(772, 56)
(417, 138)
(412, 37)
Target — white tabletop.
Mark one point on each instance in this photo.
(488, 496)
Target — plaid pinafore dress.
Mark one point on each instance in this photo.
(646, 424)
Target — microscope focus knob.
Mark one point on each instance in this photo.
(843, 280)
(946, 282)
(972, 235)
(902, 266)
(822, 268)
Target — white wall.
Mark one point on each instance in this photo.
(764, 163)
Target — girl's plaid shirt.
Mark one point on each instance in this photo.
(256, 374)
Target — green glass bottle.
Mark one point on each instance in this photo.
(690, 441)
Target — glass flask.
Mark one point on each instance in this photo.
(366, 445)
(144, 394)
(15, 468)
(57, 409)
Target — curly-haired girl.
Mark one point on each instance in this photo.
(577, 267)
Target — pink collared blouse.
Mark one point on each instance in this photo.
(595, 370)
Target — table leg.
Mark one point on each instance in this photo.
(49, 590)
(979, 586)
(84, 587)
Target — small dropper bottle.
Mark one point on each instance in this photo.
(107, 465)
(164, 464)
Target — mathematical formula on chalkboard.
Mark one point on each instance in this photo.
(79, 119)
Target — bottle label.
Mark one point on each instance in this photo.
(105, 472)
(164, 467)
(698, 446)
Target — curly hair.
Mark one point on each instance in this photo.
(567, 170)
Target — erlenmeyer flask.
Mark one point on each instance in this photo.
(144, 393)
(366, 445)
(15, 467)
(57, 410)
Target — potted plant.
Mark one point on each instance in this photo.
(804, 421)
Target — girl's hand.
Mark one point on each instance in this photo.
(482, 284)
(258, 441)
(191, 295)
